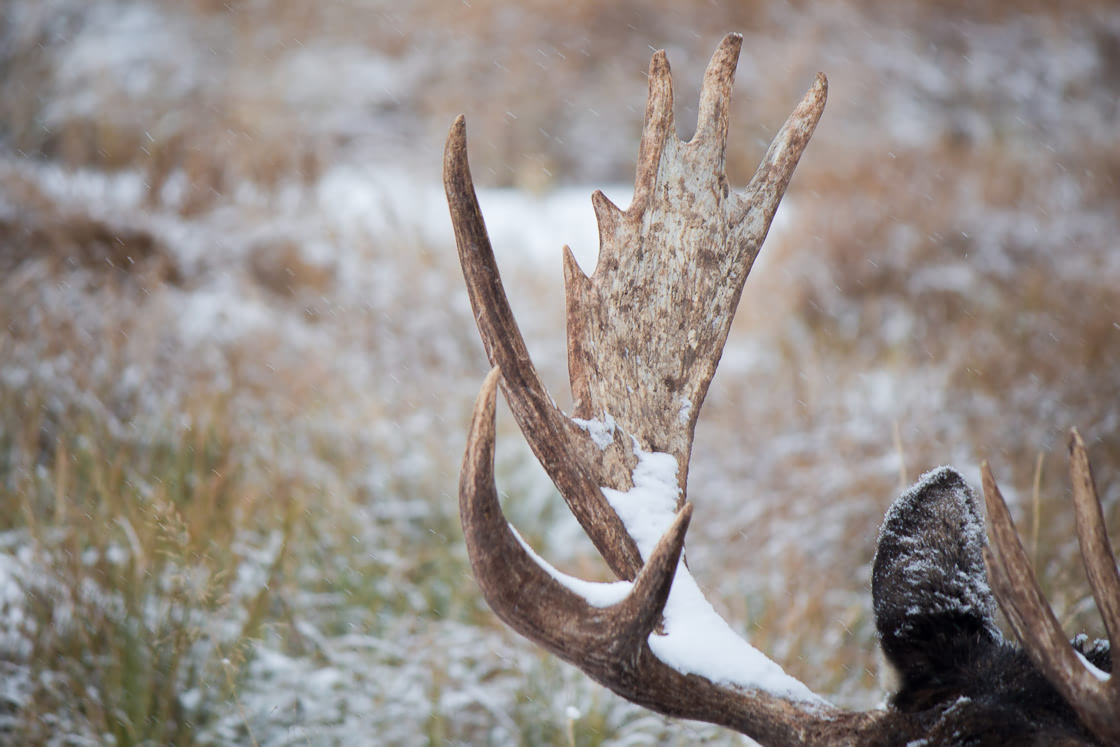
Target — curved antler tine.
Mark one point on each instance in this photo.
(576, 286)
(1033, 621)
(504, 344)
(658, 129)
(715, 95)
(1096, 550)
(525, 595)
(478, 496)
(552, 436)
(758, 203)
(515, 586)
(644, 605)
(609, 218)
(1022, 594)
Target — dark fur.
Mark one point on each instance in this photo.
(936, 621)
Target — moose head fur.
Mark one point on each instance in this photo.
(936, 618)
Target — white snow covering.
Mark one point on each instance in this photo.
(596, 594)
(1098, 673)
(601, 431)
(696, 639)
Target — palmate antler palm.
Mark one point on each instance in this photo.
(645, 333)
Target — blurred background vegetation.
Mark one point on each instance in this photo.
(237, 361)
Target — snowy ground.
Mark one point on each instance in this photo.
(231, 219)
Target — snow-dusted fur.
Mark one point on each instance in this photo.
(935, 615)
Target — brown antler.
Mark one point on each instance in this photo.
(1094, 694)
(645, 333)
(647, 329)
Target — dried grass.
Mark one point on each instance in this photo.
(796, 461)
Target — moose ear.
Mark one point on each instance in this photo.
(934, 610)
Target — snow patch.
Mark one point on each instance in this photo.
(601, 431)
(696, 639)
(1098, 673)
(597, 594)
(648, 508)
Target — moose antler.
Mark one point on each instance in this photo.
(646, 330)
(1094, 694)
(645, 333)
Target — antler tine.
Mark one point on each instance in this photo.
(713, 117)
(519, 590)
(1018, 593)
(530, 599)
(659, 129)
(1096, 550)
(561, 448)
(762, 196)
(1091, 693)
(1100, 708)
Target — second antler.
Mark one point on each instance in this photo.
(1094, 694)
